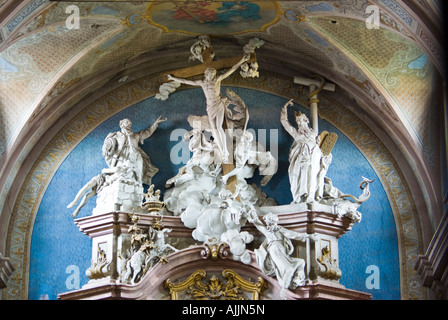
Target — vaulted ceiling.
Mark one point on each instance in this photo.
(394, 73)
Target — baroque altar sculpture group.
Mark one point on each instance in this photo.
(210, 193)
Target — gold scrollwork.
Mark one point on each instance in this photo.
(331, 271)
(100, 268)
(215, 289)
(215, 249)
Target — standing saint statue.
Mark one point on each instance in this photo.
(217, 106)
(306, 160)
(122, 149)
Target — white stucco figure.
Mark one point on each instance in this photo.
(122, 148)
(199, 194)
(200, 181)
(120, 186)
(159, 246)
(274, 255)
(205, 153)
(248, 156)
(135, 265)
(217, 106)
(96, 184)
(307, 163)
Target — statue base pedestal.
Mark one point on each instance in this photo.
(111, 239)
(120, 195)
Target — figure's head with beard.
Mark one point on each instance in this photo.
(125, 125)
(302, 120)
(302, 125)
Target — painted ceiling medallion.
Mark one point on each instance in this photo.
(218, 18)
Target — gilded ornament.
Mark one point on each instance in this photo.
(331, 271)
(100, 268)
(215, 249)
(152, 200)
(233, 289)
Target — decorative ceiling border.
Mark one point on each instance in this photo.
(38, 178)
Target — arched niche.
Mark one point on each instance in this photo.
(51, 236)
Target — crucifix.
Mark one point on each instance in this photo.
(315, 87)
(211, 85)
(326, 140)
(202, 51)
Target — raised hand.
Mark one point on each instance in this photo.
(159, 119)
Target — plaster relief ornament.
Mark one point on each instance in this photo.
(327, 267)
(99, 268)
(274, 255)
(120, 186)
(199, 47)
(146, 250)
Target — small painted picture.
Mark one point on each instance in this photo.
(220, 17)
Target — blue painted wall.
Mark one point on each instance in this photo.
(57, 244)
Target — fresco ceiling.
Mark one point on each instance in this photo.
(47, 68)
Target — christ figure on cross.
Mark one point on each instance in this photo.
(217, 106)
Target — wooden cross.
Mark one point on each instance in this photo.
(198, 69)
(207, 61)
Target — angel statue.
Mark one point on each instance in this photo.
(274, 255)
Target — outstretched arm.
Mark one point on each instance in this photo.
(245, 58)
(300, 236)
(253, 218)
(284, 119)
(144, 134)
(182, 80)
